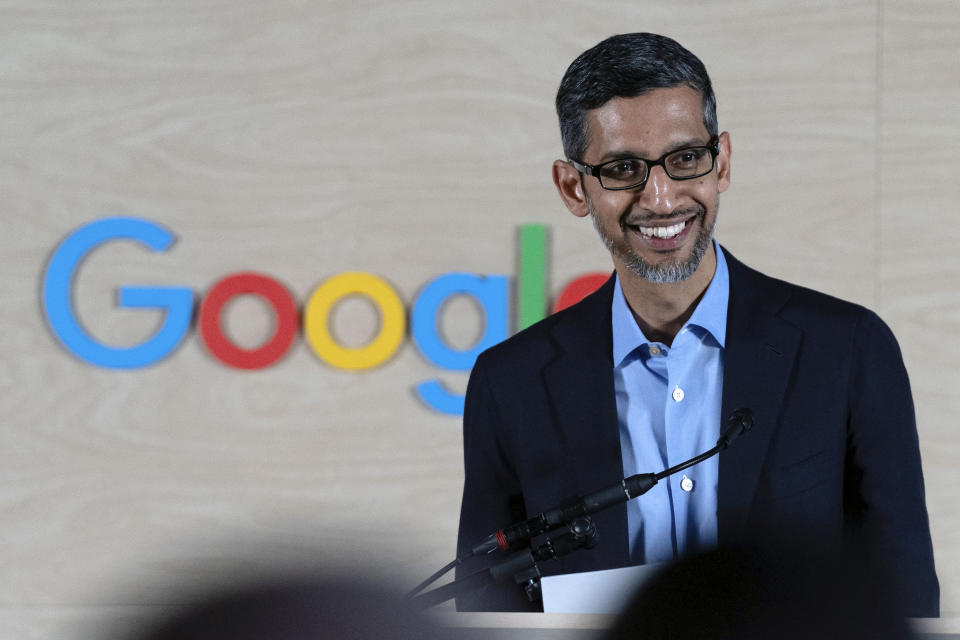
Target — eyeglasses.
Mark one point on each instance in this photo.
(632, 173)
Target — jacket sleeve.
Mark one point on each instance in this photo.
(883, 490)
(492, 497)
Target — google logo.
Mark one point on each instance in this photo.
(491, 292)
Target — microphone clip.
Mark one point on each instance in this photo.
(524, 566)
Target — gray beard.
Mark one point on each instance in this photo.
(659, 273)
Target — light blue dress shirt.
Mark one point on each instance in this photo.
(668, 407)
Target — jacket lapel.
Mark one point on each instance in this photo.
(579, 383)
(760, 353)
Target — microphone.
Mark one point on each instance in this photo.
(738, 423)
(571, 513)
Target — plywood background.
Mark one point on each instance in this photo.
(407, 139)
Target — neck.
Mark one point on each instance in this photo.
(661, 310)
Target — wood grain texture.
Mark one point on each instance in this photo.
(919, 239)
(407, 139)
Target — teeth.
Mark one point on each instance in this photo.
(663, 232)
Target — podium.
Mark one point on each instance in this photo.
(567, 626)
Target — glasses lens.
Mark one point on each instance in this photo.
(621, 174)
(689, 163)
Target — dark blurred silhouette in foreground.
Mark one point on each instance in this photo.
(298, 609)
(748, 594)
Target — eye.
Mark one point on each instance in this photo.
(627, 169)
(687, 159)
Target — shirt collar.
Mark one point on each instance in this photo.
(710, 314)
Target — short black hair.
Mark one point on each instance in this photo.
(624, 66)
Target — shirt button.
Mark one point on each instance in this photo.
(654, 350)
(686, 484)
(678, 394)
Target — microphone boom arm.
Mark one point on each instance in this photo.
(739, 422)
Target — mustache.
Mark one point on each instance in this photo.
(628, 219)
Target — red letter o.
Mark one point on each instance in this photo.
(240, 284)
(579, 289)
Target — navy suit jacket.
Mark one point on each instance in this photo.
(833, 454)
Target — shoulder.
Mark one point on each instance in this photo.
(582, 326)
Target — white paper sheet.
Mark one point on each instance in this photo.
(606, 591)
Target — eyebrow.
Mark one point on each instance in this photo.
(676, 146)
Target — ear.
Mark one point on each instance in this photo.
(723, 163)
(570, 187)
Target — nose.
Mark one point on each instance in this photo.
(659, 193)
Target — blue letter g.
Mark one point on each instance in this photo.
(57, 290)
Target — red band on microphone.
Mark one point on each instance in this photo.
(502, 540)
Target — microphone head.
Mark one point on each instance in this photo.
(744, 417)
(739, 422)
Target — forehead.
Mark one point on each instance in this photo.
(647, 125)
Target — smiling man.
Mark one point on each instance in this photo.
(639, 376)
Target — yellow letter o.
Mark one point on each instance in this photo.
(392, 326)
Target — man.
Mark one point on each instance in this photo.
(639, 375)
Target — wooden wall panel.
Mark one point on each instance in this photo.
(407, 139)
(918, 241)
